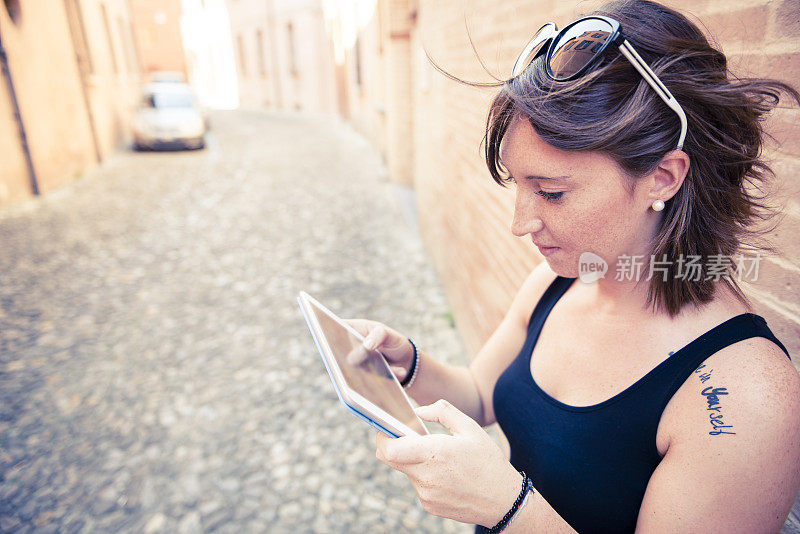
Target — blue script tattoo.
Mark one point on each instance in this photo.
(712, 396)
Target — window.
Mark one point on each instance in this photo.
(127, 44)
(292, 51)
(262, 63)
(111, 50)
(357, 53)
(242, 62)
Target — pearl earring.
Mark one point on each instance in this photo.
(658, 205)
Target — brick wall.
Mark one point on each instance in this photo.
(465, 217)
(378, 78)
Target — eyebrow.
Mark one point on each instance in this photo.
(534, 177)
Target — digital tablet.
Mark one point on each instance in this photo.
(361, 377)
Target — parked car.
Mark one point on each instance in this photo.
(167, 76)
(168, 117)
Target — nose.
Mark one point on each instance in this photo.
(526, 221)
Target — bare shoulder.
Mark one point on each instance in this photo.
(746, 388)
(530, 292)
(733, 442)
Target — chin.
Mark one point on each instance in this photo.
(567, 269)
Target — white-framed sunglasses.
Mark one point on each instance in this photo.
(571, 52)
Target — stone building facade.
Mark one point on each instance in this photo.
(283, 55)
(70, 76)
(158, 35)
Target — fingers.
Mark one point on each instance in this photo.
(362, 326)
(395, 347)
(444, 413)
(399, 372)
(376, 337)
(398, 453)
(357, 356)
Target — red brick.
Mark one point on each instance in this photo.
(786, 238)
(787, 174)
(781, 280)
(781, 66)
(783, 126)
(785, 329)
(787, 19)
(748, 24)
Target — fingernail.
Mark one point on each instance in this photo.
(368, 343)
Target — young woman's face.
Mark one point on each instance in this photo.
(573, 202)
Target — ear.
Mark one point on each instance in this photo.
(668, 176)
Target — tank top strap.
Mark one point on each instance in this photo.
(686, 360)
(554, 291)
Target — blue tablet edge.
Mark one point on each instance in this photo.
(358, 414)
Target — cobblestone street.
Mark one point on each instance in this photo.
(156, 374)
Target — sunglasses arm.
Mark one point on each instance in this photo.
(650, 77)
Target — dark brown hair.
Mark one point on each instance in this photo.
(720, 209)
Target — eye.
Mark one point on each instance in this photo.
(552, 197)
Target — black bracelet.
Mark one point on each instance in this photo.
(410, 376)
(526, 487)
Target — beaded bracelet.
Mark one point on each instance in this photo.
(412, 373)
(527, 486)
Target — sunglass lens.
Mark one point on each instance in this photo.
(577, 46)
(533, 48)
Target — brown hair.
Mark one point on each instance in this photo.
(613, 110)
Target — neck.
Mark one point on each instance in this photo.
(619, 297)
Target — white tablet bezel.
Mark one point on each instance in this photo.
(348, 396)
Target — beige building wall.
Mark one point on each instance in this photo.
(14, 179)
(379, 79)
(75, 79)
(42, 66)
(158, 35)
(254, 52)
(283, 54)
(364, 66)
(112, 77)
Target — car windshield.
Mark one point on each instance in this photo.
(169, 100)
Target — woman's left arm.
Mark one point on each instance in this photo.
(733, 459)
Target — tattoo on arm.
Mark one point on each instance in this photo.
(713, 398)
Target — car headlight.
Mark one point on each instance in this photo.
(193, 127)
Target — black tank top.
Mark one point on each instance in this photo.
(593, 463)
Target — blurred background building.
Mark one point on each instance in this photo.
(70, 74)
(157, 28)
(364, 60)
(283, 55)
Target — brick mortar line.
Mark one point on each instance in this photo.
(786, 309)
(733, 5)
(784, 46)
(783, 263)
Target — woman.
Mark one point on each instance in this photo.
(651, 400)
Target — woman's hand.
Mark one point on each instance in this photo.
(464, 477)
(393, 345)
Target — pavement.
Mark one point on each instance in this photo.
(155, 372)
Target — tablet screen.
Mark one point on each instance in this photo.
(365, 371)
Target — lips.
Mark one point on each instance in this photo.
(545, 250)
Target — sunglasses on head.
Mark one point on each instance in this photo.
(571, 52)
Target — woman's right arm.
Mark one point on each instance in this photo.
(468, 388)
